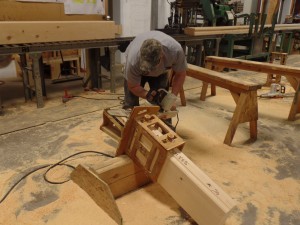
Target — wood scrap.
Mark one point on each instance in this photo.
(98, 190)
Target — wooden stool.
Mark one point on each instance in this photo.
(276, 78)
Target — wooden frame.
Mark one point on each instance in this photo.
(155, 152)
(291, 73)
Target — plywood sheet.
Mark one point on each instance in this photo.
(98, 190)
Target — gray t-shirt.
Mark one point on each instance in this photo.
(174, 56)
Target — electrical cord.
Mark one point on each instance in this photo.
(60, 163)
(177, 121)
(119, 98)
(51, 166)
(100, 99)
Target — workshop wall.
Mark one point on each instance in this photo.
(135, 17)
(286, 9)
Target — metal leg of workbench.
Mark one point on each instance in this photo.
(218, 40)
(94, 68)
(112, 53)
(230, 47)
(36, 70)
(25, 79)
(198, 60)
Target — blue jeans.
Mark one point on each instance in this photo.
(131, 100)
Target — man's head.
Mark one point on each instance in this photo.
(150, 54)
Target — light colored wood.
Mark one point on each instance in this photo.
(221, 30)
(151, 141)
(194, 191)
(156, 148)
(221, 79)
(273, 7)
(261, 67)
(243, 92)
(291, 73)
(98, 190)
(52, 31)
(122, 175)
(203, 91)
(128, 132)
(295, 108)
(235, 96)
(245, 111)
(111, 125)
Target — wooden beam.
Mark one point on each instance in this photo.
(53, 31)
(122, 175)
(190, 187)
(194, 191)
(291, 73)
(220, 79)
(254, 66)
(244, 29)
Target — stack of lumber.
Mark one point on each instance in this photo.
(243, 29)
(22, 32)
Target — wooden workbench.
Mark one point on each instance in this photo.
(291, 73)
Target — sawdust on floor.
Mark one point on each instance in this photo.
(262, 176)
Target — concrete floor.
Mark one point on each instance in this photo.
(262, 176)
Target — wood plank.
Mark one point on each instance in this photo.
(221, 79)
(194, 191)
(98, 190)
(244, 29)
(53, 31)
(254, 66)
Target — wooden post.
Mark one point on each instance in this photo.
(245, 111)
(38, 81)
(295, 108)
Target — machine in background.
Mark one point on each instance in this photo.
(191, 13)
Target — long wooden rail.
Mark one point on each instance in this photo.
(243, 92)
(291, 73)
(243, 29)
